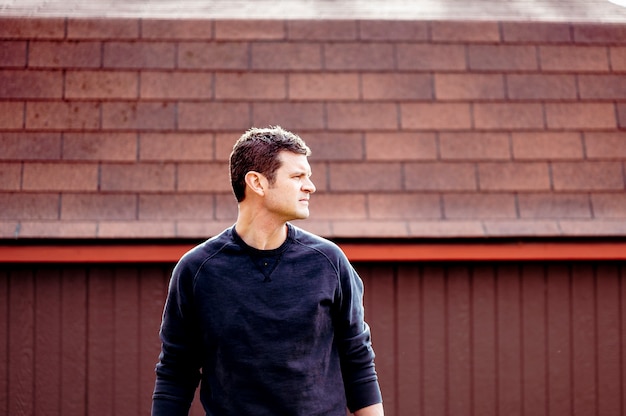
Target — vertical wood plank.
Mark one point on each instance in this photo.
(74, 341)
(608, 341)
(380, 315)
(459, 341)
(534, 340)
(559, 336)
(126, 350)
(434, 341)
(100, 342)
(152, 294)
(583, 340)
(410, 380)
(4, 341)
(484, 341)
(22, 342)
(47, 341)
(509, 339)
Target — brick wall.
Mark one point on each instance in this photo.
(122, 128)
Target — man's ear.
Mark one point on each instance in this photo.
(256, 182)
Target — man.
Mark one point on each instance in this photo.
(268, 317)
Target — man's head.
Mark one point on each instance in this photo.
(258, 150)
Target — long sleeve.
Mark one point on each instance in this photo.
(357, 355)
(178, 369)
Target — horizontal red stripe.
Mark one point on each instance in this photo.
(365, 252)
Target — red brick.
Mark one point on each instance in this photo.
(479, 206)
(11, 115)
(551, 205)
(573, 58)
(184, 29)
(439, 176)
(547, 146)
(30, 146)
(60, 177)
(469, 86)
(244, 30)
(176, 85)
(203, 177)
(424, 229)
(513, 176)
(100, 146)
(139, 115)
(602, 87)
(321, 178)
(224, 143)
(358, 56)
(176, 207)
(396, 86)
(286, 56)
(63, 115)
(502, 57)
(58, 229)
(102, 28)
(69, 54)
(374, 176)
(587, 176)
(335, 146)
(618, 58)
(426, 57)
(580, 116)
(32, 28)
(13, 53)
(323, 86)
(474, 146)
(31, 84)
(136, 177)
(338, 206)
(29, 206)
(200, 229)
(370, 229)
(541, 87)
(610, 145)
(210, 55)
(457, 31)
(403, 206)
(517, 228)
(10, 176)
(213, 116)
(136, 229)
(292, 116)
(609, 205)
(176, 147)
(362, 116)
(98, 206)
(101, 84)
(536, 32)
(604, 33)
(507, 116)
(621, 115)
(311, 30)
(250, 86)
(142, 55)
(435, 116)
(226, 206)
(593, 228)
(410, 30)
(400, 146)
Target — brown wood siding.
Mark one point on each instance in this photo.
(508, 338)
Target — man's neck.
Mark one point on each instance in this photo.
(261, 236)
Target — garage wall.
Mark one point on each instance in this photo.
(457, 338)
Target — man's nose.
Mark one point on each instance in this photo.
(309, 186)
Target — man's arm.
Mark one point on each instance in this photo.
(373, 410)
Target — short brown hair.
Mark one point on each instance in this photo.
(257, 150)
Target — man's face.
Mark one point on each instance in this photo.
(288, 197)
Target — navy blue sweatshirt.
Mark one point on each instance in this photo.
(266, 332)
